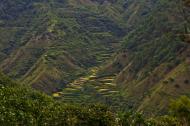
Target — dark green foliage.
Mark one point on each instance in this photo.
(24, 106)
(21, 106)
(181, 109)
(132, 119)
(5, 81)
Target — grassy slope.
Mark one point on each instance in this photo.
(172, 85)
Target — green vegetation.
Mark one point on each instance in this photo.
(130, 55)
(153, 62)
(24, 106)
(21, 106)
(47, 42)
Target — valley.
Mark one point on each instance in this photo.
(92, 87)
(127, 54)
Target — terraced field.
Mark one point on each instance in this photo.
(91, 88)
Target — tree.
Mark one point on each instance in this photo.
(181, 109)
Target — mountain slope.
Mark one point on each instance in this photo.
(153, 54)
(54, 46)
(52, 43)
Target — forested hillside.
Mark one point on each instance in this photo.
(130, 55)
(23, 106)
